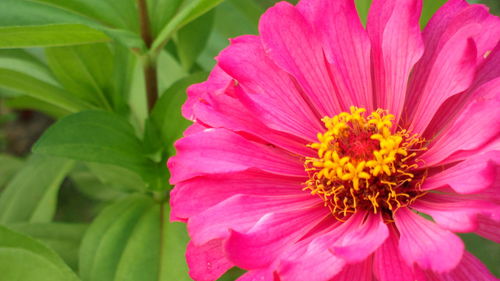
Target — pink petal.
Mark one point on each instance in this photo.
(477, 125)
(219, 103)
(324, 263)
(360, 240)
(241, 213)
(292, 44)
(217, 81)
(258, 275)
(469, 176)
(453, 106)
(425, 243)
(456, 213)
(448, 65)
(488, 228)
(490, 70)
(273, 233)
(271, 94)
(360, 272)
(225, 110)
(394, 31)
(389, 265)
(193, 196)
(346, 46)
(207, 262)
(194, 128)
(352, 242)
(296, 262)
(220, 151)
(469, 268)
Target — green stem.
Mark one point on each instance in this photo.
(149, 63)
(162, 234)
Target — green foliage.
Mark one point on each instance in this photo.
(96, 136)
(49, 35)
(23, 258)
(84, 71)
(130, 240)
(91, 202)
(193, 10)
(63, 238)
(31, 195)
(8, 167)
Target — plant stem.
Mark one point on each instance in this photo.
(150, 71)
(162, 242)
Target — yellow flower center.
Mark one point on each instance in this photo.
(363, 163)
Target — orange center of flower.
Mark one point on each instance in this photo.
(362, 163)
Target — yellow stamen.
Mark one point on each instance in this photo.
(362, 163)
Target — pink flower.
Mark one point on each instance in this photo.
(316, 145)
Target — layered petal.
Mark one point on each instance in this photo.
(324, 263)
(291, 43)
(258, 275)
(346, 46)
(425, 243)
(396, 40)
(389, 265)
(227, 111)
(241, 213)
(453, 106)
(268, 92)
(221, 103)
(208, 261)
(221, 151)
(469, 268)
(449, 63)
(489, 228)
(477, 125)
(456, 213)
(195, 195)
(271, 235)
(472, 175)
(351, 242)
(362, 271)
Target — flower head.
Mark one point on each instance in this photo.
(317, 144)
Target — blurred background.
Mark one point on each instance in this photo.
(83, 191)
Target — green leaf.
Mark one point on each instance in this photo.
(429, 8)
(96, 136)
(63, 238)
(31, 195)
(250, 9)
(105, 182)
(363, 6)
(487, 251)
(9, 166)
(233, 18)
(49, 35)
(28, 260)
(28, 85)
(132, 240)
(25, 62)
(194, 10)
(166, 115)
(117, 19)
(115, 13)
(175, 239)
(27, 102)
(122, 77)
(161, 12)
(192, 39)
(84, 71)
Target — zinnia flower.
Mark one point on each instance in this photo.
(317, 145)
